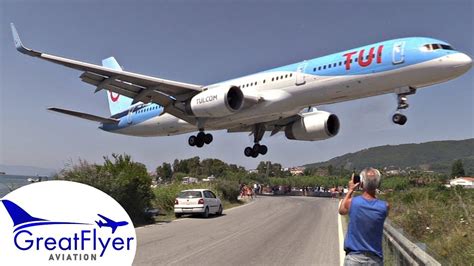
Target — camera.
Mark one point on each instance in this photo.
(356, 178)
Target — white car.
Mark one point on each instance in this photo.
(197, 201)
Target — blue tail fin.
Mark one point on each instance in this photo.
(117, 102)
(18, 215)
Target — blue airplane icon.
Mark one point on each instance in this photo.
(110, 223)
(22, 219)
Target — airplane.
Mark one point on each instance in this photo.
(110, 223)
(279, 99)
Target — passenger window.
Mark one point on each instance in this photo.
(340, 63)
(291, 75)
(277, 78)
(212, 195)
(329, 66)
(334, 65)
(324, 67)
(281, 76)
(286, 75)
(314, 69)
(319, 68)
(273, 79)
(355, 60)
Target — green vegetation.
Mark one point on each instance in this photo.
(439, 217)
(457, 169)
(435, 156)
(124, 180)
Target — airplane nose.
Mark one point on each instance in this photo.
(461, 60)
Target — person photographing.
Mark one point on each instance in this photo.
(363, 243)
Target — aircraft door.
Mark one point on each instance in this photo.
(398, 54)
(300, 79)
(130, 114)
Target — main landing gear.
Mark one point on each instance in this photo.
(258, 132)
(402, 93)
(200, 139)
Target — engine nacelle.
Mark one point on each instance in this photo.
(317, 125)
(216, 102)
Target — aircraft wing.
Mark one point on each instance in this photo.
(107, 220)
(274, 126)
(136, 86)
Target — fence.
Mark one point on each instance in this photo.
(399, 250)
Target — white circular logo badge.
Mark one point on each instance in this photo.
(64, 223)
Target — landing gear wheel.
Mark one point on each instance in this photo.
(192, 141)
(201, 135)
(208, 138)
(256, 148)
(263, 149)
(200, 142)
(254, 154)
(248, 151)
(399, 119)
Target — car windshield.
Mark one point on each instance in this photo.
(190, 194)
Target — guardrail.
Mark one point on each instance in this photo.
(403, 251)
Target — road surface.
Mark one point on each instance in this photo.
(267, 231)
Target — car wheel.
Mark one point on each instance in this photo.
(178, 215)
(219, 212)
(206, 213)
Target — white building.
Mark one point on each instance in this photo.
(467, 182)
(297, 170)
(209, 178)
(190, 180)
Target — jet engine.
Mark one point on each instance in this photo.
(216, 102)
(317, 125)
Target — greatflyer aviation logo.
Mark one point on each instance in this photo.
(64, 222)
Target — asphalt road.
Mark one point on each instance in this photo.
(267, 231)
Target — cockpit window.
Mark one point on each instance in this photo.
(446, 47)
(435, 46)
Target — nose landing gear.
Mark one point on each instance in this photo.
(402, 93)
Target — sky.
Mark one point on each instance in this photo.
(204, 42)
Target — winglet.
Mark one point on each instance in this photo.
(19, 45)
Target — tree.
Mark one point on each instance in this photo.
(457, 169)
(262, 167)
(164, 171)
(126, 181)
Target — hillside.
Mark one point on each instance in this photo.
(436, 156)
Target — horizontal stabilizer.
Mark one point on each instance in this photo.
(95, 118)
